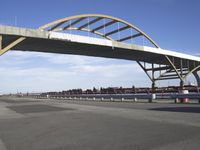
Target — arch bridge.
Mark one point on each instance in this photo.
(102, 36)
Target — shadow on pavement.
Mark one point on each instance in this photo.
(37, 108)
(16, 101)
(179, 109)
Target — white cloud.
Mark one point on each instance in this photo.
(109, 70)
(61, 72)
(20, 57)
(83, 72)
(113, 70)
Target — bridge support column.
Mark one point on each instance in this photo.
(153, 92)
(198, 80)
(153, 86)
(182, 84)
(152, 78)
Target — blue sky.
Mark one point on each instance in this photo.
(173, 24)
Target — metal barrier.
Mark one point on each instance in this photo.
(123, 97)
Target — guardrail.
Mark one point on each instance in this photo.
(123, 97)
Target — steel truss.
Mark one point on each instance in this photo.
(179, 69)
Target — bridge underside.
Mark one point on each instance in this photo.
(68, 47)
(157, 66)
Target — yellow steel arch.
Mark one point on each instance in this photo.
(55, 24)
(86, 30)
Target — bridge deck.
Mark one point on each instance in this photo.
(52, 42)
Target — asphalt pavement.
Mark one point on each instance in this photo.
(35, 124)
